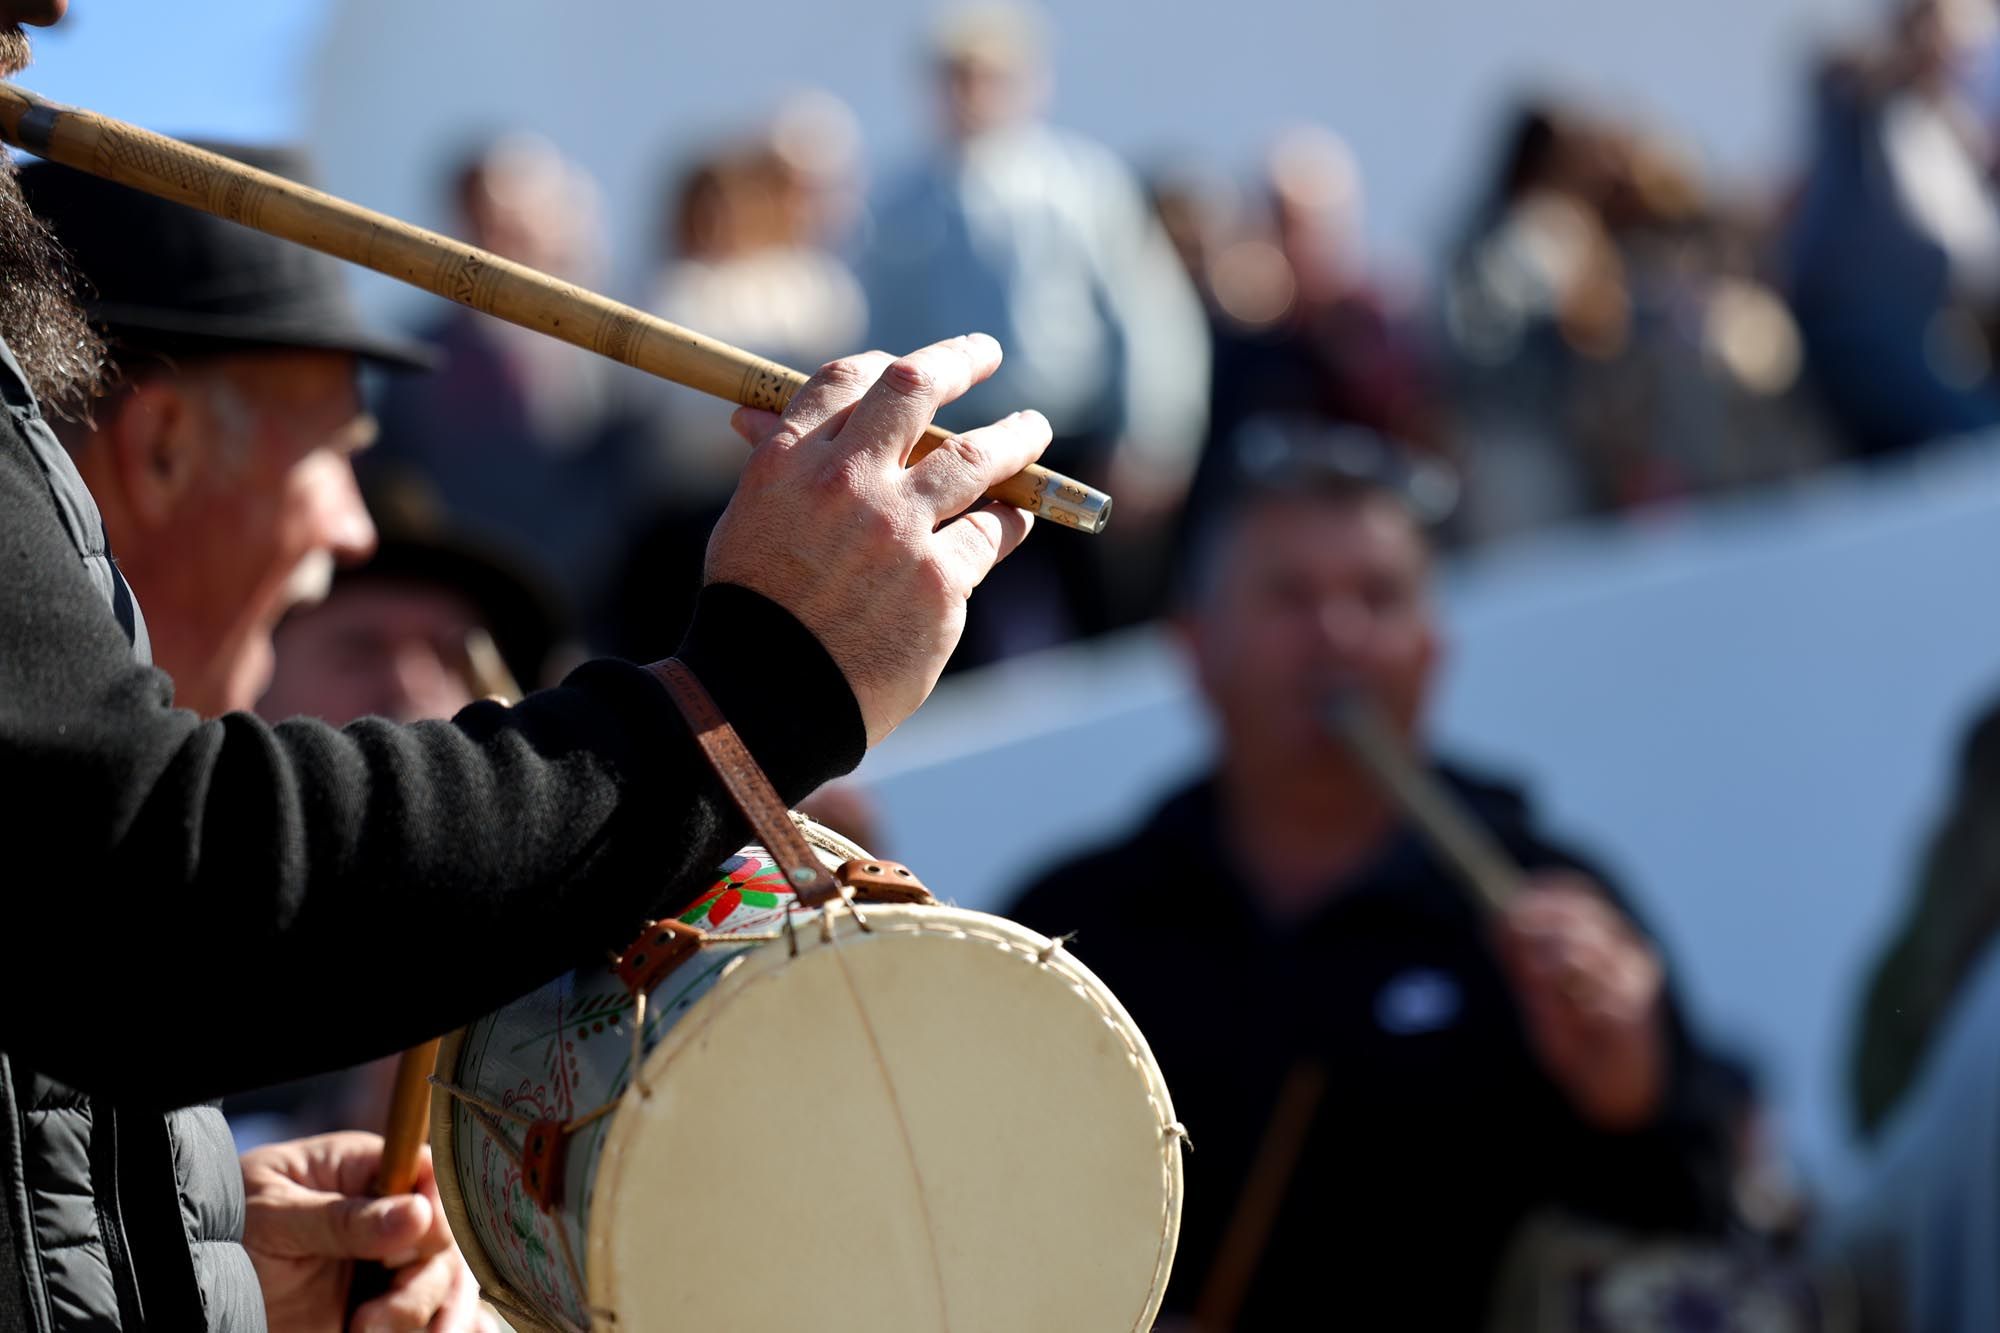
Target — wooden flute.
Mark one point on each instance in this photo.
(452, 269)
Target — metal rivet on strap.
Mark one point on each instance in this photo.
(803, 875)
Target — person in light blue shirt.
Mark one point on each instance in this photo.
(1045, 240)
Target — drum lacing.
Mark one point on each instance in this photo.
(493, 1109)
(489, 1115)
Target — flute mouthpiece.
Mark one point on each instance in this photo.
(1073, 504)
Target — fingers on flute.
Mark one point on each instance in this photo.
(754, 424)
(953, 476)
(822, 406)
(908, 392)
(971, 544)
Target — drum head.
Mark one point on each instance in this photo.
(921, 1125)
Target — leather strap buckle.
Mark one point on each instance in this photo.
(659, 949)
(747, 785)
(541, 1163)
(879, 881)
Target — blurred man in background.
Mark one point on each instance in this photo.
(1046, 240)
(1337, 348)
(746, 262)
(1302, 328)
(746, 235)
(1383, 1082)
(529, 442)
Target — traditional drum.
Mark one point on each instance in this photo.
(870, 1115)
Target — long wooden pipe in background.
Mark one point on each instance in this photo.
(464, 273)
(1466, 847)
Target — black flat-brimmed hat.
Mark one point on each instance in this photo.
(162, 277)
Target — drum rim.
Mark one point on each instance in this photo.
(519, 1312)
(999, 931)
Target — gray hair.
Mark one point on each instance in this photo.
(1274, 458)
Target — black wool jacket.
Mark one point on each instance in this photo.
(1436, 1132)
(194, 908)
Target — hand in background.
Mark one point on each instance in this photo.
(1591, 991)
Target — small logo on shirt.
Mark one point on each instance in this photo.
(1418, 1001)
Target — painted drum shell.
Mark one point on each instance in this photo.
(923, 1117)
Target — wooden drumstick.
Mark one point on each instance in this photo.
(1263, 1198)
(473, 277)
(403, 1138)
(409, 1124)
(1465, 845)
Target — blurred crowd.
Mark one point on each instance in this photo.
(1610, 332)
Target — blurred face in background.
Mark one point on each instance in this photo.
(377, 647)
(523, 200)
(233, 497)
(981, 94)
(1936, 35)
(1316, 205)
(1306, 595)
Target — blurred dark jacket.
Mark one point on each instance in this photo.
(1952, 917)
(530, 449)
(1437, 1134)
(1873, 293)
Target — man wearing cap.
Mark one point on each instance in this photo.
(1380, 1083)
(220, 455)
(219, 462)
(181, 884)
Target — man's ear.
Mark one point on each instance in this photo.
(157, 444)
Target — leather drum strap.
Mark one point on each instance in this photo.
(747, 786)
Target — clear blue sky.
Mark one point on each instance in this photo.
(226, 68)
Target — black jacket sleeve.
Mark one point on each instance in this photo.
(189, 908)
